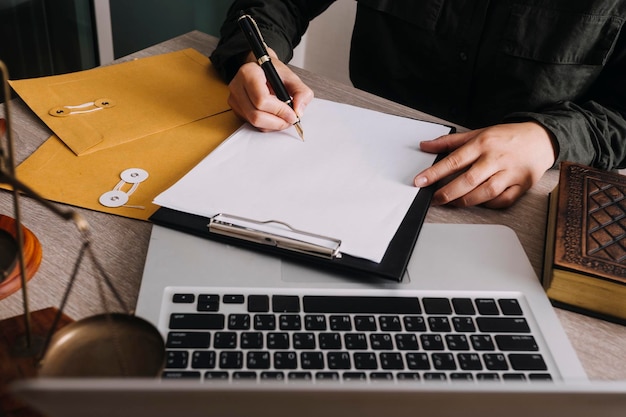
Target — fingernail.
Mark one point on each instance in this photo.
(420, 181)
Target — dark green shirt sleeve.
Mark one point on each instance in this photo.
(282, 23)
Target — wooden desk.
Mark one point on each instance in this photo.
(122, 243)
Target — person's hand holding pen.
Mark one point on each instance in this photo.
(252, 98)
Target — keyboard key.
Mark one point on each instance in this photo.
(300, 376)
(180, 375)
(225, 340)
(338, 360)
(289, 322)
(527, 362)
(540, 377)
(469, 361)
(208, 302)
(315, 322)
(340, 323)
(416, 360)
(381, 376)
(406, 341)
(482, 342)
(516, 343)
(188, 340)
(258, 304)
(176, 359)
(461, 376)
(443, 361)
(357, 304)
(304, 340)
(495, 362)
(244, 376)
(278, 341)
(487, 377)
(365, 360)
(215, 375)
(195, 321)
(312, 360)
(431, 341)
(437, 306)
(381, 341)
(390, 323)
(408, 376)
(286, 304)
(264, 322)
(513, 377)
(365, 323)
(251, 340)
(233, 299)
(183, 298)
(258, 360)
(435, 377)
(327, 376)
(487, 307)
(354, 376)
(510, 307)
(285, 360)
(439, 324)
(463, 306)
(414, 323)
(272, 376)
(463, 324)
(391, 360)
(502, 325)
(203, 359)
(457, 342)
(355, 341)
(231, 360)
(330, 341)
(238, 321)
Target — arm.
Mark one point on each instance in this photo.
(282, 24)
(496, 165)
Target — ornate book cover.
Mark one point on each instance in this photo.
(591, 222)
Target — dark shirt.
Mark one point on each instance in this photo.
(477, 63)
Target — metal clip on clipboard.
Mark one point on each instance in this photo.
(275, 233)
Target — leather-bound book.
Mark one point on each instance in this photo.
(585, 252)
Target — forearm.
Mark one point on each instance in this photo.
(282, 23)
(588, 133)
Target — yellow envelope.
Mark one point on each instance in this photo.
(108, 106)
(59, 175)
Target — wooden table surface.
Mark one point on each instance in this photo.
(122, 243)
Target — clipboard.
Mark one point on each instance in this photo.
(392, 267)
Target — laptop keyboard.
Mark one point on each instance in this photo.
(231, 335)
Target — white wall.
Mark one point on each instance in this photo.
(326, 45)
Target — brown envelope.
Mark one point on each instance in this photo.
(161, 115)
(58, 174)
(109, 106)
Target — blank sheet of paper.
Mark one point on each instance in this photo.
(351, 179)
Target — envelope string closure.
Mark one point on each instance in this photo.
(99, 104)
(118, 197)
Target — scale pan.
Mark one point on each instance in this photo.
(8, 254)
(105, 345)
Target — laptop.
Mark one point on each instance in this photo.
(468, 330)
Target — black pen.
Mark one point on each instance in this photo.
(259, 49)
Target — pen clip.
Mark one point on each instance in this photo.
(267, 233)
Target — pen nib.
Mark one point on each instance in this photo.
(299, 129)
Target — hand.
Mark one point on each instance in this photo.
(251, 97)
(494, 166)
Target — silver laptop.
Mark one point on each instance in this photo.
(468, 330)
(470, 307)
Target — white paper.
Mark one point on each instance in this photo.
(351, 179)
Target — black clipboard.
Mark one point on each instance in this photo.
(392, 266)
